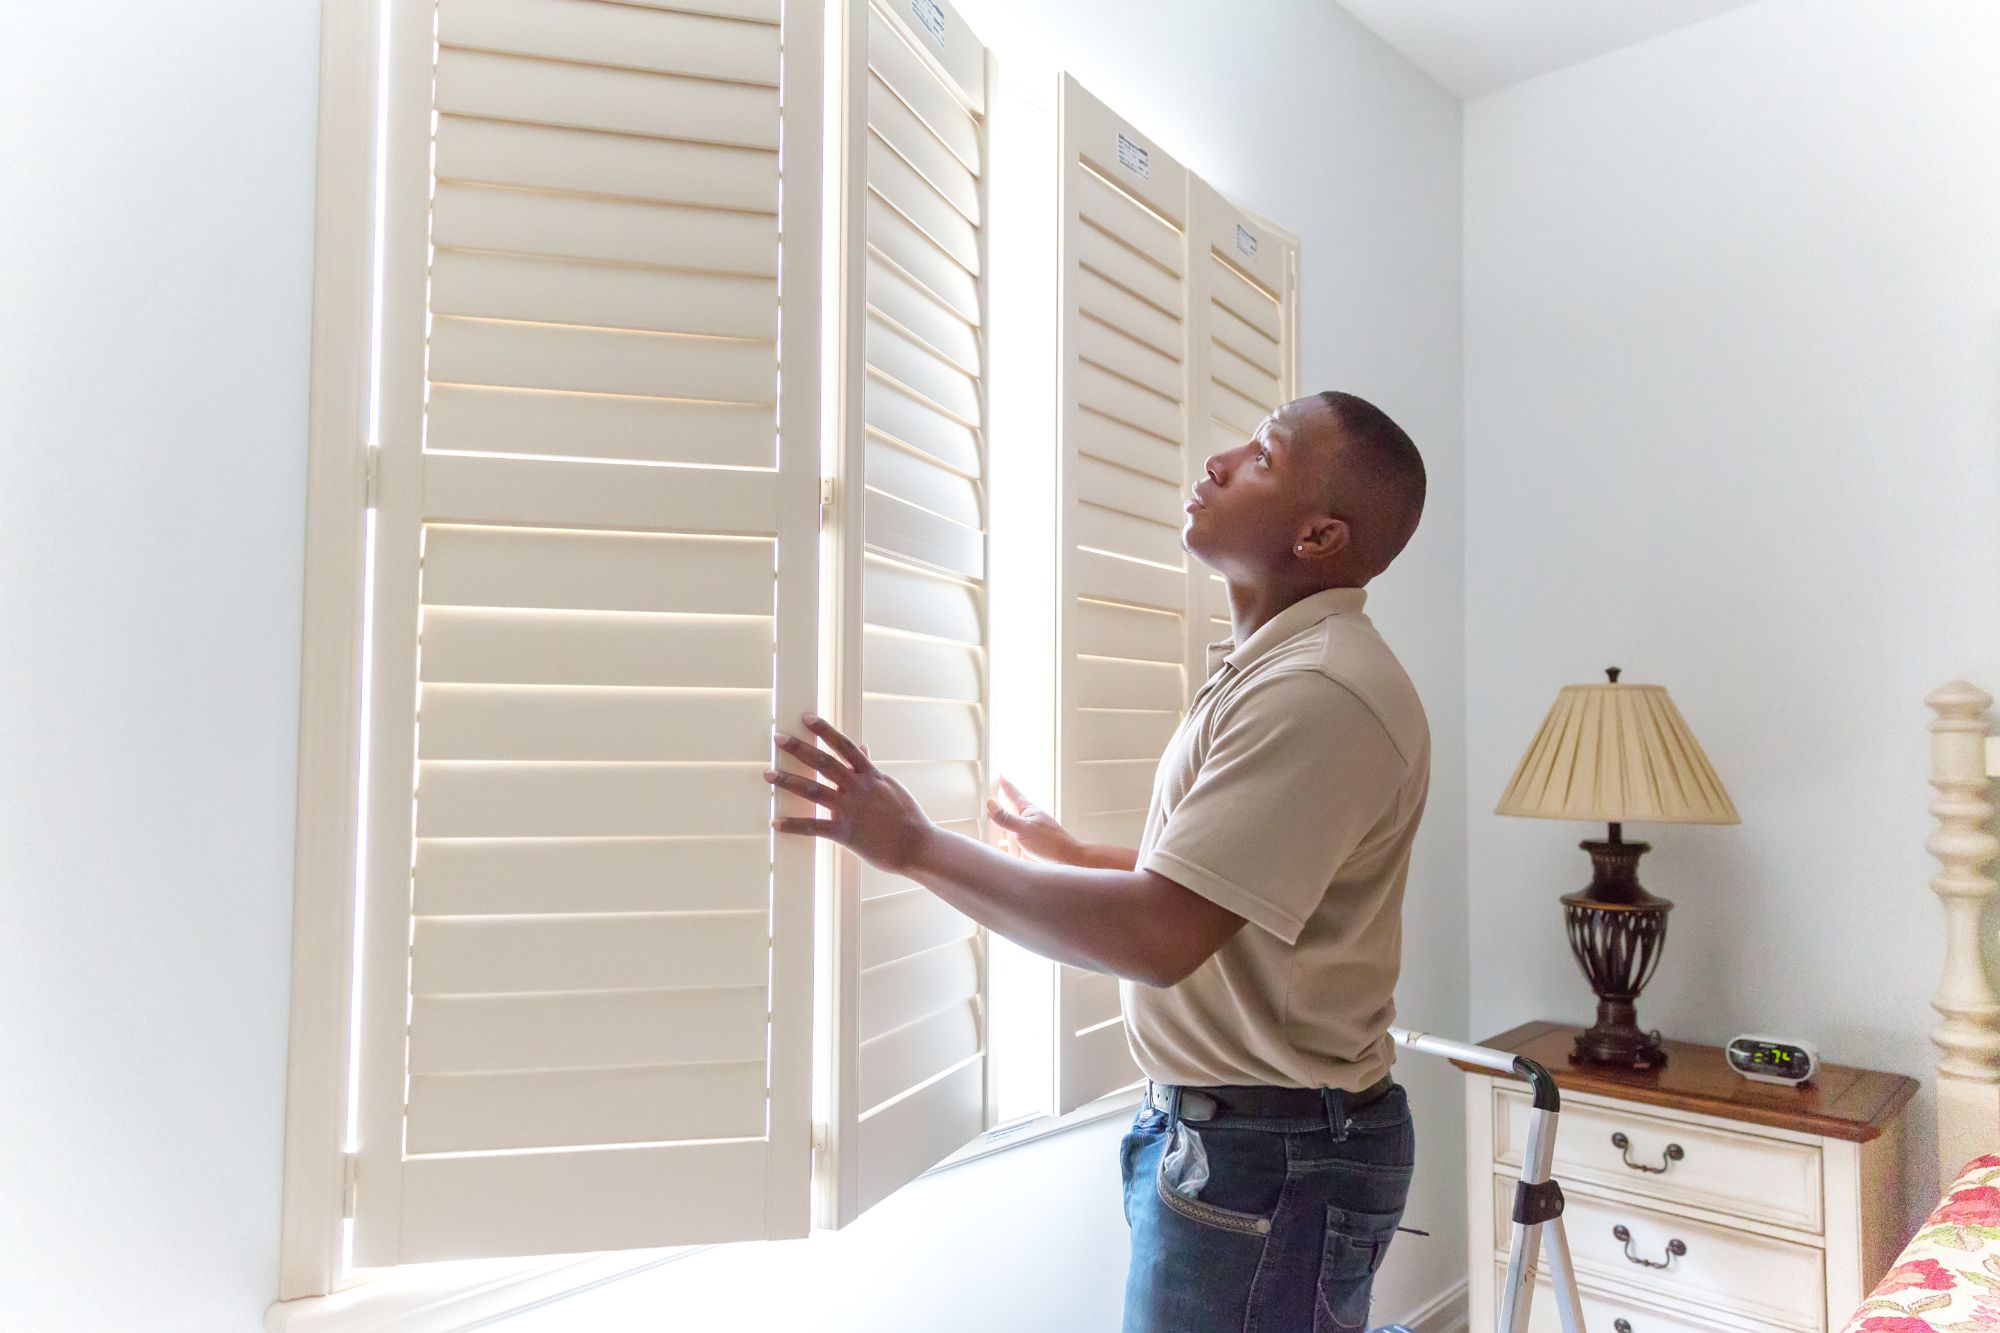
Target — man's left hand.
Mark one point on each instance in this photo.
(869, 812)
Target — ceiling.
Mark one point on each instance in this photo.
(1476, 46)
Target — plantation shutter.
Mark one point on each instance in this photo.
(909, 1064)
(586, 994)
(1246, 293)
(1124, 585)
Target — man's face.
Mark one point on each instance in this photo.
(1255, 499)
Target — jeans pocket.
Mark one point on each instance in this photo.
(1355, 1245)
(1224, 1181)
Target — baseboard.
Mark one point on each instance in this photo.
(1447, 1312)
(456, 1298)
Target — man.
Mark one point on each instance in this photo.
(1257, 927)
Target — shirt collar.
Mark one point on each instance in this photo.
(1293, 620)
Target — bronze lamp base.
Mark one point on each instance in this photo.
(1616, 931)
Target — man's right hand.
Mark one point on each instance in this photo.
(1030, 829)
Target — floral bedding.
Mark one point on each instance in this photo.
(1947, 1279)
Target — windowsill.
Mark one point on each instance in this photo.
(1034, 1128)
(442, 1298)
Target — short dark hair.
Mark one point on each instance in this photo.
(1377, 475)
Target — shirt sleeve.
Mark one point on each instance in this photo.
(1297, 772)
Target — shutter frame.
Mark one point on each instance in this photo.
(1092, 1057)
(1149, 195)
(311, 1243)
(675, 1191)
(906, 326)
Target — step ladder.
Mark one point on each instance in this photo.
(1538, 1200)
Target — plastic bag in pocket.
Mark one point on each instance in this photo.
(1184, 1165)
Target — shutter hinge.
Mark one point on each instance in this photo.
(350, 1164)
(825, 498)
(371, 474)
(819, 1136)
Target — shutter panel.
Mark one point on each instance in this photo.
(586, 1000)
(907, 993)
(1246, 296)
(1124, 585)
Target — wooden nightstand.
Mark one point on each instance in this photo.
(1782, 1198)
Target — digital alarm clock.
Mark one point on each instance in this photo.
(1772, 1059)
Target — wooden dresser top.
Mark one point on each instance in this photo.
(1840, 1103)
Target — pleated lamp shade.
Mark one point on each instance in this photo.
(1616, 754)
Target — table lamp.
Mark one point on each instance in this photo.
(1617, 754)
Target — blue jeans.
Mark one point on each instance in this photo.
(1261, 1225)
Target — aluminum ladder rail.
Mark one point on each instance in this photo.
(1538, 1200)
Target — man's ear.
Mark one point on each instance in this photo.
(1324, 537)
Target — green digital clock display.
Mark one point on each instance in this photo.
(1771, 1060)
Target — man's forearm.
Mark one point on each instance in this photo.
(1092, 916)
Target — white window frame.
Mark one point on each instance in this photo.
(344, 299)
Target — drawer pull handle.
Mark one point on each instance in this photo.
(1675, 1249)
(1673, 1154)
(1622, 1325)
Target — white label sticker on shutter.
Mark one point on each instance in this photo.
(1134, 158)
(1246, 242)
(930, 18)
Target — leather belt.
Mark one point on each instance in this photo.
(1198, 1104)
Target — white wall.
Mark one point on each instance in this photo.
(157, 221)
(1731, 414)
(154, 301)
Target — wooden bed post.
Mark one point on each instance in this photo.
(1968, 1084)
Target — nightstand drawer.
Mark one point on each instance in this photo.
(1732, 1272)
(1764, 1179)
(1601, 1313)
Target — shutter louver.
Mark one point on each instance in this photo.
(908, 1031)
(1246, 290)
(586, 999)
(1125, 589)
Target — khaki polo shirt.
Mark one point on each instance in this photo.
(1290, 795)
